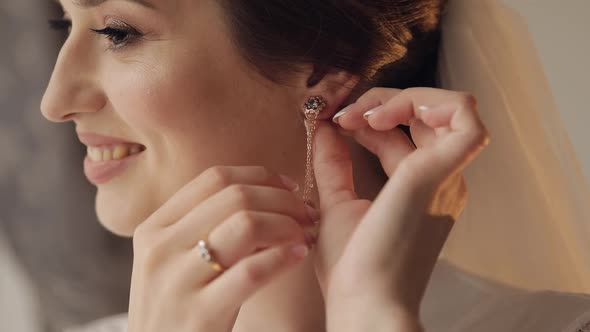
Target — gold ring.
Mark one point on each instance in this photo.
(206, 254)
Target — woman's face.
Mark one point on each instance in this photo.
(169, 80)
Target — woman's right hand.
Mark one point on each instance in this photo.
(252, 222)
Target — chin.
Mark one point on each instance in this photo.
(117, 214)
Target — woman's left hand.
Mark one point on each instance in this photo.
(375, 258)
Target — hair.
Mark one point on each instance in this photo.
(385, 42)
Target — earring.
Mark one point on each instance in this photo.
(311, 109)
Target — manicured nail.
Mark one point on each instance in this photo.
(373, 111)
(300, 250)
(289, 183)
(339, 114)
(313, 213)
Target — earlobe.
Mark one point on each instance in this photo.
(333, 87)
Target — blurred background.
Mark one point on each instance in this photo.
(59, 267)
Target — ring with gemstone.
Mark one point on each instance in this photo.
(207, 255)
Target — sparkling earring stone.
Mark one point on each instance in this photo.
(314, 105)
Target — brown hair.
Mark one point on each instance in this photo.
(362, 37)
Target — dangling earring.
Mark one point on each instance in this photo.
(311, 109)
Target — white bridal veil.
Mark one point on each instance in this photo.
(527, 222)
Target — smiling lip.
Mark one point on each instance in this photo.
(93, 139)
(99, 172)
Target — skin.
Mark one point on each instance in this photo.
(183, 92)
(134, 91)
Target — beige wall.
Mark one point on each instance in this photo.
(560, 31)
(81, 272)
(17, 304)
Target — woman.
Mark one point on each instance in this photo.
(202, 113)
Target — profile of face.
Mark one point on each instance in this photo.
(164, 83)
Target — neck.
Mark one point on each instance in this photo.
(293, 302)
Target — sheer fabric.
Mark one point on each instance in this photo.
(527, 222)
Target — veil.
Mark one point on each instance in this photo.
(527, 222)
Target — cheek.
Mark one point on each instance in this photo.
(187, 110)
(178, 93)
(151, 101)
(169, 111)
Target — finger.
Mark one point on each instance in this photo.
(223, 204)
(208, 183)
(247, 277)
(351, 118)
(455, 111)
(465, 139)
(248, 231)
(389, 146)
(422, 134)
(332, 166)
(238, 237)
(409, 104)
(406, 105)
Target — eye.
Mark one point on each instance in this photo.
(119, 34)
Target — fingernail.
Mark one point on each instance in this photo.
(300, 250)
(313, 214)
(372, 111)
(289, 183)
(423, 108)
(339, 114)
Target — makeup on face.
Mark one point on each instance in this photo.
(107, 157)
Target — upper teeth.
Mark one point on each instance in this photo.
(113, 152)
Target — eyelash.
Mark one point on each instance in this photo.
(118, 34)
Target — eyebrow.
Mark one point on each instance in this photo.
(96, 3)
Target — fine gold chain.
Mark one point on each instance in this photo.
(311, 110)
(310, 124)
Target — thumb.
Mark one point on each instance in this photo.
(332, 166)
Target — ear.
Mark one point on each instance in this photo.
(334, 86)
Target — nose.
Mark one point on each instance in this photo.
(73, 88)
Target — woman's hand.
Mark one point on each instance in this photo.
(252, 222)
(375, 258)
